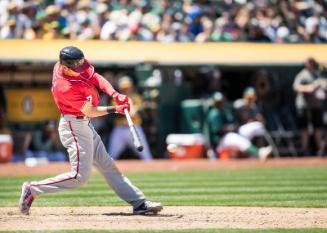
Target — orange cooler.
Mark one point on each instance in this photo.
(6, 148)
(185, 146)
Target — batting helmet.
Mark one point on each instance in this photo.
(73, 58)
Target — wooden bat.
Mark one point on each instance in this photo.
(136, 138)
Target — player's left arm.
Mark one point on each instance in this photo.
(107, 88)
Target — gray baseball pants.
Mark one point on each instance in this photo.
(85, 148)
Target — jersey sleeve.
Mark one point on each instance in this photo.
(103, 84)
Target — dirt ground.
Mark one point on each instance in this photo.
(172, 217)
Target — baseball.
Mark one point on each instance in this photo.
(172, 148)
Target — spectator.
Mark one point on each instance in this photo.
(205, 35)
(31, 11)
(246, 108)
(9, 30)
(257, 21)
(45, 143)
(88, 21)
(4, 129)
(70, 14)
(223, 135)
(166, 34)
(310, 97)
(251, 120)
(184, 34)
(102, 11)
(120, 137)
(51, 31)
(14, 23)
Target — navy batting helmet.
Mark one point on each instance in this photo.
(73, 58)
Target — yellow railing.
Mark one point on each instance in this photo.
(109, 52)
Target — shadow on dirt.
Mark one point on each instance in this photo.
(145, 215)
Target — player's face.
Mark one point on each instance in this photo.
(251, 98)
(69, 71)
(81, 65)
(218, 104)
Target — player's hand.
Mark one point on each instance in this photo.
(120, 98)
(120, 108)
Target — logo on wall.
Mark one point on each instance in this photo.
(27, 105)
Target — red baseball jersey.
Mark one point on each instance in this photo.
(71, 92)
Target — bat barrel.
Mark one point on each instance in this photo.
(137, 142)
(136, 138)
(139, 148)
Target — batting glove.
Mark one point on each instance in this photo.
(120, 108)
(120, 98)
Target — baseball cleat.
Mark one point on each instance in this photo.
(26, 199)
(148, 207)
(265, 152)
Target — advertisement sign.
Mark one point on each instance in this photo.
(30, 105)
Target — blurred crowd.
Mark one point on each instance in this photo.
(278, 21)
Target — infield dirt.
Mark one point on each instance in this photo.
(172, 217)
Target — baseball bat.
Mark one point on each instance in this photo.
(136, 138)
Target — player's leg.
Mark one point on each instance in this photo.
(304, 124)
(145, 154)
(118, 182)
(252, 129)
(234, 140)
(117, 141)
(317, 123)
(257, 129)
(76, 136)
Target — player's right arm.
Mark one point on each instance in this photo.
(95, 111)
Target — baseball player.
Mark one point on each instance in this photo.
(223, 131)
(74, 88)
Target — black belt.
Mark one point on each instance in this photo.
(77, 117)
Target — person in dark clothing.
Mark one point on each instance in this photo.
(310, 98)
(45, 143)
